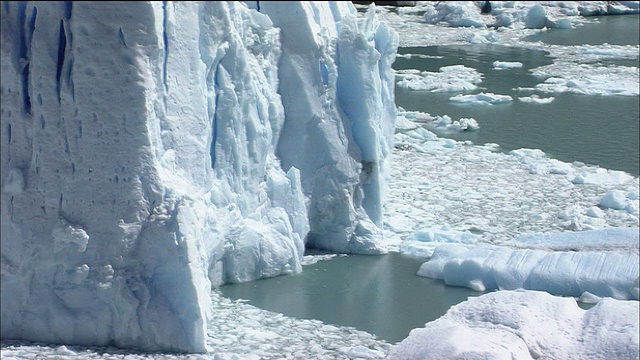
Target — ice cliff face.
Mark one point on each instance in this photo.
(154, 150)
(337, 91)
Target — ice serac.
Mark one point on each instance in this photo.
(336, 85)
(139, 168)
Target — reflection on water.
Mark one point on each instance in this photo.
(378, 294)
(599, 130)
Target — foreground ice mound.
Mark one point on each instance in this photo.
(526, 325)
(141, 158)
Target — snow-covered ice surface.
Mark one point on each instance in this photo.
(526, 325)
(444, 192)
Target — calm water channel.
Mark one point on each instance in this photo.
(381, 294)
(378, 294)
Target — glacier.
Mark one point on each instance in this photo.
(152, 151)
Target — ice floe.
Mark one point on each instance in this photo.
(588, 79)
(443, 123)
(535, 99)
(501, 65)
(448, 79)
(481, 99)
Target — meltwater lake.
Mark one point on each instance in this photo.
(382, 294)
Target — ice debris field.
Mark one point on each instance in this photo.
(239, 201)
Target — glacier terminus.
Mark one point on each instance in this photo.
(152, 150)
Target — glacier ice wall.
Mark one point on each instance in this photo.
(337, 91)
(141, 158)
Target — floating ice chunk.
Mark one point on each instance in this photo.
(312, 259)
(562, 23)
(448, 79)
(536, 99)
(362, 352)
(444, 233)
(65, 351)
(419, 56)
(455, 13)
(588, 79)
(623, 7)
(524, 325)
(449, 143)
(404, 124)
(464, 124)
(418, 249)
(536, 17)
(560, 167)
(422, 243)
(475, 37)
(446, 123)
(612, 274)
(589, 298)
(595, 212)
(529, 155)
(481, 99)
(501, 65)
(614, 199)
(595, 8)
(602, 177)
(399, 223)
